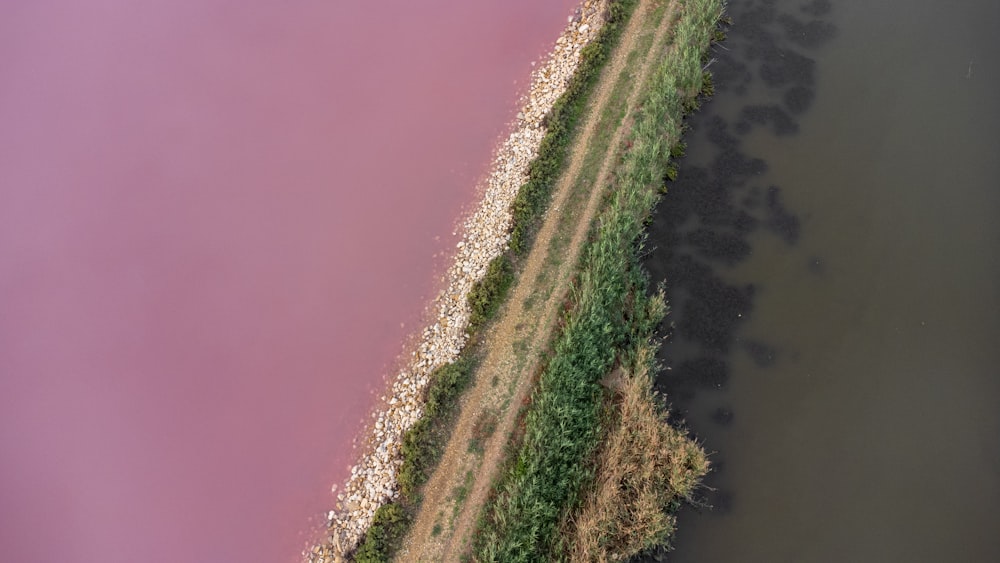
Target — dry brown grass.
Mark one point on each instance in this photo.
(645, 469)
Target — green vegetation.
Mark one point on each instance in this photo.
(534, 195)
(423, 444)
(612, 318)
(422, 447)
(543, 173)
(488, 293)
(485, 426)
(387, 530)
(463, 491)
(601, 144)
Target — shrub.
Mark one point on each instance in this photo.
(383, 537)
(488, 293)
(424, 442)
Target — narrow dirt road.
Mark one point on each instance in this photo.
(456, 492)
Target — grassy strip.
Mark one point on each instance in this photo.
(609, 121)
(424, 443)
(488, 293)
(422, 447)
(533, 197)
(611, 314)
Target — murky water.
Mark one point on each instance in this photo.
(214, 216)
(832, 252)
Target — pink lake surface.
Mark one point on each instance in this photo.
(214, 216)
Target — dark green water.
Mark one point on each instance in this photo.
(832, 255)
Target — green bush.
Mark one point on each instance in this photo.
(383, 537)
(423, 444)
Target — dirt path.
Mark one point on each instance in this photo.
(456, 492)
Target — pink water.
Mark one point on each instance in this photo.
(214, 216)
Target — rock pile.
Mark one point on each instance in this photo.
(485, 236)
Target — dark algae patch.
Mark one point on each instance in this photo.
(848, 387)
(717, 207)
(714, 206)
(773, 116)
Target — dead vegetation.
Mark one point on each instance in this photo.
(644, 469)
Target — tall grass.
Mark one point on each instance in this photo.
(612, 313)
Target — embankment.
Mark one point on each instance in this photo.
(610, 323)
(578, 449)
(486, 235)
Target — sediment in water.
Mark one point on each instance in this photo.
(485, 236)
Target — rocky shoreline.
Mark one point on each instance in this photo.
(485, 235)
